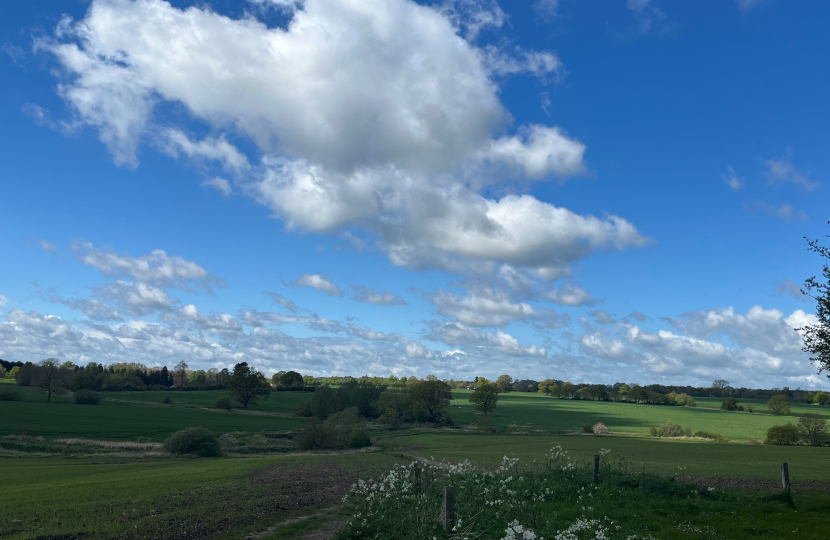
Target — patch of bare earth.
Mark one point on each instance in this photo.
(753, 483)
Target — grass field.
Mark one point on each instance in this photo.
(528, 411)
(654, 455)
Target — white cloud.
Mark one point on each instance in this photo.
(548, 8)
(219, 184)
(395, 140)
(48, 247)
(138, 299)
(3, 300)
(215, 323)
(456, 333)
(540, 151)
(571, 294)
(156, 268)
(94, 309)
(318, 282)
(732, 180)
(290, 305)
(782, 171)
(785, 212)
(482, 306)
(648, 16)
(175, 142)
(371, 296)
(598, 345)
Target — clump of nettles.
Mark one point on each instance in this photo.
(194, 441)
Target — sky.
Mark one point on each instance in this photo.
(586, 191)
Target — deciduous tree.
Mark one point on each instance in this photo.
(779, 405)
(247, 384)
(817, 336)
(484, 397)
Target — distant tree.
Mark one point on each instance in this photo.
(12, 373)
(637, 394)
(50, 377)
(426, 400)
(247, 384)
(181, 373)
(546, 386)
(568, 390)
(729, 404)
(484, 397)
(291, 379)
(779, 405)
(813, 429)
(624, 389)
(504, 383)
(817, 336)
(431, 377)
(2, 372)
(720, 384)
(821, 398)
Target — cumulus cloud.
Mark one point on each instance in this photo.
(456, 333)
(732, 180)
(571, 294)
(46, 246)
(156, 268)
(175, 143)
(215, 323)
(219, 184)
(482, 306)
(371, 296)
(318, 282)
(290, 305)
(395, 141)
(785, 212)
(782, 171)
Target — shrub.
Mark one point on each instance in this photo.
(10, 395)
(600, 429)
(197, 441)
(224, 403)
(670, 429)
(359, 439)
(316, 437)
(303, 409)
(783, 434)
(167, 400)
(712, 436)
(729, 404)
(813, 429)
(587, 428)
(749, 407)
(685, 400)
(86, 397)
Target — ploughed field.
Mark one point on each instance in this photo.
(98, 471)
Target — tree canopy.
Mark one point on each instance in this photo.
(247, 384)
(484, 397)
(817, 336)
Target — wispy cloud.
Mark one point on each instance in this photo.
(785, 212)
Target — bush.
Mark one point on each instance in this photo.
(167, 400)
(783, 434)
(224, 403)
(813, 429)
(730, 404)
(587, 428)
(670, 429)
(86, 397)
(303, 409)
(359, 439)
(600, 429)
(316, 437)
(712, 436)
(196, 441)
(10, 395)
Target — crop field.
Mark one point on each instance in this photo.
(528, 412)
(287, 495)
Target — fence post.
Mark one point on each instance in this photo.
(785, 476)
(596, 468)
(449, 508)
(417, 480)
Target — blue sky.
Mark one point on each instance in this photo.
(590, 192)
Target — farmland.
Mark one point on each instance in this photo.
(287, 493)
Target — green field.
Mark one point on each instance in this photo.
(131, 495)
(528, 412)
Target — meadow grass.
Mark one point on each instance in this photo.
(112, 420)
(525, 411)
(654, 455)
(154, 498)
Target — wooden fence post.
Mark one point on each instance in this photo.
(417, 480)
(449, 508)
(785, 476)
(596, 468)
